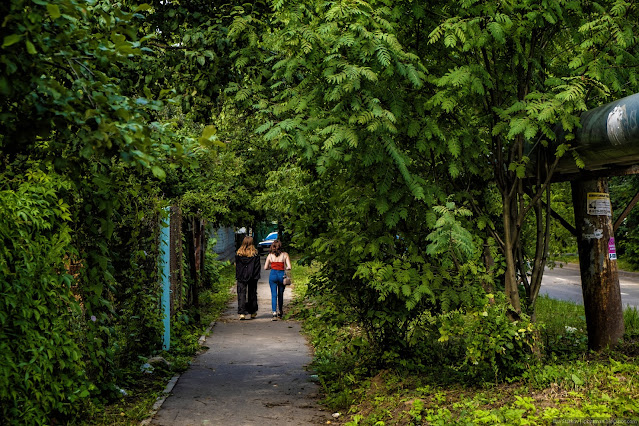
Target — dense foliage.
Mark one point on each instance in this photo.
(625, 189)
(90, 155)
(41, 358)
(413, 128)
(392, 140)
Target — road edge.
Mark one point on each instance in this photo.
(172, 382)
(622, 273)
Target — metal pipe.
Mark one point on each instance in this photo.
(608, 137)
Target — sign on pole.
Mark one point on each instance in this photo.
(599, 204)
(612, 250)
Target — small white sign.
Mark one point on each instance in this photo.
(597, 235)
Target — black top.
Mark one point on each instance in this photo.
(247, 268)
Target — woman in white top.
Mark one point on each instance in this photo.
(278, 262)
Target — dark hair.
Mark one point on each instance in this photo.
(276, 247)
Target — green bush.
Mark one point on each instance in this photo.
(492, 341)
(212, 267)
(41, 364)
(135, 294)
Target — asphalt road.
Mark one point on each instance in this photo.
(565, 284)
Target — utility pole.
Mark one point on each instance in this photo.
(598, 262)
(608, 143)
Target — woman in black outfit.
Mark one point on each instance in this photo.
(247, 272)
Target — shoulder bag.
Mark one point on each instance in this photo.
(286, 280)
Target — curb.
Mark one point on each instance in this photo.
(169, 386)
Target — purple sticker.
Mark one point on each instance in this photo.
(612, 251)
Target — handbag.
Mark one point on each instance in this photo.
(286, 280)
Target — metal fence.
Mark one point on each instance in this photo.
(225, 243)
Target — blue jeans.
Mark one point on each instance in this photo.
(276, 281)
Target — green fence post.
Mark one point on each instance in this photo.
(165, 276)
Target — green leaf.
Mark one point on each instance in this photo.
(209, 138)
(453, 170)
(209, 132)
(577, 380)
(383, 56)
(550, 17)
(31, 48)
(450, 40)
(142, 7)
(11, 39)
(561, 149)
(264, 127)
(158, 172)
(481, 223)
(497, 32)
(406, 290)
(53, 10)
(4, 86)
(454, 147)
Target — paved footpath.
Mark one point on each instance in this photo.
(253, 373)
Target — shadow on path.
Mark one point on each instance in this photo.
(253, 373)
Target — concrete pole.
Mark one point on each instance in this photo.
(598, 262)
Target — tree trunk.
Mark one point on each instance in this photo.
(541, 251)
(510, 237)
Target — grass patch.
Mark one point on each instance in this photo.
(603, 392)
(143, 389)
(563, 327)
(301, 274)
(624, 265)
(559, 259)
(631, 321)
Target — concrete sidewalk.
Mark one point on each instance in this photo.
(253, 373)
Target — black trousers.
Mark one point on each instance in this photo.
(247, 297)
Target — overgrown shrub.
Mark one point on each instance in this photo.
(41, 365)
(212, 266)
(562, 327)
(136, 291)
(492, 342)
(393, 281)
(342, 352)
